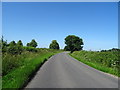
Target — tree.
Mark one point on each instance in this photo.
(19, 47)
(74, 43)
(54, 45)
(3, 45)
(12, 48)
(66, 48)
(28, 44)
(33, 43)
(15, 48)
(12, 43)
(19, 43)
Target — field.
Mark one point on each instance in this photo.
(17, 69)
(106, 61)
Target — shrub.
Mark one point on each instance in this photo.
(30, 49)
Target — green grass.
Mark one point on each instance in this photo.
(103, 61)
(17, 76)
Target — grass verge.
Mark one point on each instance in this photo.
(87, 59)
(18, 77)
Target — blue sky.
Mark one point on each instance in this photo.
(96, 23)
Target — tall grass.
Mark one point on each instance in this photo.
(105, 61)
(18, 68)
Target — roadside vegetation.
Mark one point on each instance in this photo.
(104, 60)
(20, 62)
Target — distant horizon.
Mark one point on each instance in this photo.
(61, 48)
(94, 22)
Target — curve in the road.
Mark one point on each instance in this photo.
(63, 71)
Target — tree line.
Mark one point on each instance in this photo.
(17, 48)
(73, 43)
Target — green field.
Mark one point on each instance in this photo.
(106, 61)
(17, 69)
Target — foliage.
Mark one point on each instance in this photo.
(30, 49)
(66, 48)
(12, 50)
(54, 45)
(28, 44)
(74, 43)
(19, 60)
(14, 61)
(33, 43)
(107, 61)
(17, 48)
(4, 46)
(23, 65)
(113, 49)
(12, 43)
(19, 43)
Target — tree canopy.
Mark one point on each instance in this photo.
(33, 43)
(12, 43)
(19, 43)
(17, 48)
(54, 45)
(73, 43)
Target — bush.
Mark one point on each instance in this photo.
(30, 49)
(109, 59)
(16, 49)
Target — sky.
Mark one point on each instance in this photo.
(95, 22)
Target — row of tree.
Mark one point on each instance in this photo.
(113, 49)
(17, 48)
(73, 43)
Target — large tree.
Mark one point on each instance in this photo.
(73, 43)
(54, 45)
(33, 43)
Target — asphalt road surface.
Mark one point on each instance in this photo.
(63, 71)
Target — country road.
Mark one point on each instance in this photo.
(63, 71)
